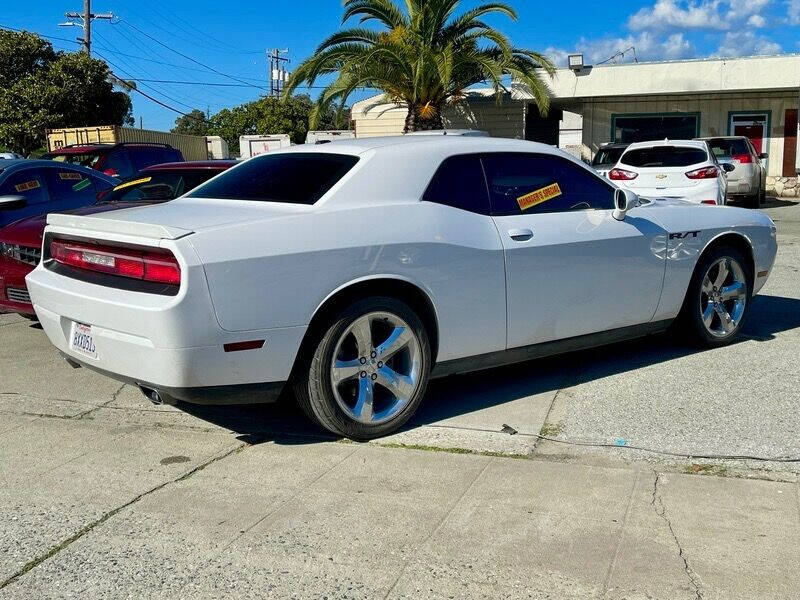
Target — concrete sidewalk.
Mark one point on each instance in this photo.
(94, 507)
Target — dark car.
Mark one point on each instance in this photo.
(34, 187)
(121, 160)
(21, 242)
(607, 157)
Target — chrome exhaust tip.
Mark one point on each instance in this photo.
(153, 395)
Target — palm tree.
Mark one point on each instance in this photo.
(423, 57)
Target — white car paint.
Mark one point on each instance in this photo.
(672, 182)
(262, 270)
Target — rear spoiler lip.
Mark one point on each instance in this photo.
(117, 226)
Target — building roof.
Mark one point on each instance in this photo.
(716, 75)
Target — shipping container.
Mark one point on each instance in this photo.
(217, 148)
(193, 147)
(253, 145)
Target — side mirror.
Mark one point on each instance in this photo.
(624, 200)
(728, 167)
(763, 156)
(12, 202)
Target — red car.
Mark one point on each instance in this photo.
(21, 242)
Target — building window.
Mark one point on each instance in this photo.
(647, 128)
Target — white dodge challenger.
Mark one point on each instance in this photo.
(351, 273)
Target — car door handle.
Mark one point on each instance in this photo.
(520, 235)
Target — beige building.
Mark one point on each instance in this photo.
(753, 96)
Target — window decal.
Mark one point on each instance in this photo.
(539, 196)
(122, 186)
(28, 185)
(70, 176)
(82, 185)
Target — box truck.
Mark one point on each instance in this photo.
(217, 147)
(323, 137)
(253, 145)
(193, 147)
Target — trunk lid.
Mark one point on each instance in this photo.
(662, 178)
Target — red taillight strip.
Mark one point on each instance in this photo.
(157, 267)
(622, 175)
(703, 173)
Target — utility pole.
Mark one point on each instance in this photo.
(84, 20)
(278, 75)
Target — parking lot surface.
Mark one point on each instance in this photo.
(571, 477)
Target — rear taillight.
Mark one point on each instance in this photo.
(622, 175)
(712, 202)
(744, 159)
(704, 173)
(158, 267)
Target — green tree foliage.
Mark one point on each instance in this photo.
(41, 89)
(193, 123)
(425, 55)
(269, 116)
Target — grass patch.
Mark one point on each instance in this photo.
(706, 469)
(551, 430)
(451, 450)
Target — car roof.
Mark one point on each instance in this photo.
(193, 165)
(614, 145)
(699, 144)
(32, 163)
(722, 137)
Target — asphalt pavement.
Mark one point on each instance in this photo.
(579, 476)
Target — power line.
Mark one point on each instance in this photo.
(84, 20)
(197, 62)
(204, 83)
(49, 37)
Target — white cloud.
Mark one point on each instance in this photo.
(671, 14)
(793, 14)
(648, 47)
(744, 43)
(756, 21)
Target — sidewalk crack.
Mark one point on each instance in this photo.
(658, 505)
(103, 405)
(88, 528)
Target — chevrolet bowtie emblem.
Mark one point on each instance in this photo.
(661, 176)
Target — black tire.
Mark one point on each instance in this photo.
(690, 321)
(314, 389)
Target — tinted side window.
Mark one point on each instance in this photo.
(29, 183)
(541, 183)
(117, 164)
(144, 156)
(459, 182)
(66, 185)
(293, 178)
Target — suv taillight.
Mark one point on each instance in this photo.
(744, 159)
(704, 173)
(158, 267)
(622, 175)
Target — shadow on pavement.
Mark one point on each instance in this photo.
(449, 397)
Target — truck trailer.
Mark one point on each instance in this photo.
(193, 147)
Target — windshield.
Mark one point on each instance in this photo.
(664, 156)
(607, 156)
(88, 159)
(292, 178)
(156, 186)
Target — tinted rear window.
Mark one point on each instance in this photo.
(607, 156)
(296, 178)
(89, 159)
(664, 156)
(727, 148)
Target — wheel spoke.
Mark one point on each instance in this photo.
(722, 273)
(708, 287)
(362, 331)
(725, 319)
(708, 314)
(398, 339)
(345, 369)
(363, 408)
(401, 386)
(735, 290)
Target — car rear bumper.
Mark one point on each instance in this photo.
(174, 344)
(703, 192)
(741, 188)
(14, 295)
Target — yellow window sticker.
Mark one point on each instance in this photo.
(70, 176)
(122, 186)
(28, 185)
(538, 196)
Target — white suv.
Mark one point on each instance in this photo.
(682, 169)
(748, 179)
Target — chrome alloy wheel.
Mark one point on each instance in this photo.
(376, 368)
(723, 297)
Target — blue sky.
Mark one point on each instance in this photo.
(233, 38)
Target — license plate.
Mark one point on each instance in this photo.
(81, 340)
